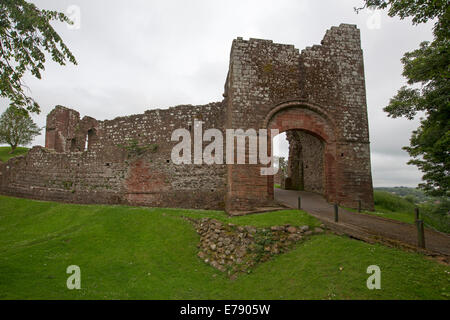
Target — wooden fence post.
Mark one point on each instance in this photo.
(420, 234)
(416, 212)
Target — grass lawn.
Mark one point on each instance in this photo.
(141, 253)
(5, 155)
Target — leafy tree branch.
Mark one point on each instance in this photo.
(427, 70)
(25, 36)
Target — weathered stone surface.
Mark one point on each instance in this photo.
(305, 162)
(291, 230)
(304, 228)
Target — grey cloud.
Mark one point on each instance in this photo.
(391, 171)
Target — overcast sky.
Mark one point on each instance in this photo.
(139, 55)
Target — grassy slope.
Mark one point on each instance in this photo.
(140, 253)
(5, 155)
(390, 206)
(395, 207)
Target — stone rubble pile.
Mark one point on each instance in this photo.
(231, 248)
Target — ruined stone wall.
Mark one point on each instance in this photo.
(79, 177)
(306, 161)
(108, 172)
(295, 161)
(320, 90)
(313, 166)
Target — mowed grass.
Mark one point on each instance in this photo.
(5, 154)
(141, 253)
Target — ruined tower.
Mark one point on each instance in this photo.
(320, 91)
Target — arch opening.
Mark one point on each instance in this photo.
(308, 151)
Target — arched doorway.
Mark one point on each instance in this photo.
(311, 134)
(346, 165)
(300, 161)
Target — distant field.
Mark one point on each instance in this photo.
(5, 155)
(141, 253)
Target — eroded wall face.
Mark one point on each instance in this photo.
(306, 161)
(295, 161)
(111, 170)
(61, 123)
(68, 177)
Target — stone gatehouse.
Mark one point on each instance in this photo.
(317, 96)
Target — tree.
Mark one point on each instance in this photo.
(282, 164)
(17, 128)
(427, 71)
(25, 36)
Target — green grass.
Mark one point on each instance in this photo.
(5, 155)
(390, 202)
(390, 206)
(395, 207)
(141, 253)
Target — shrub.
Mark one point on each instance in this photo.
(392, 202)
(436, 214)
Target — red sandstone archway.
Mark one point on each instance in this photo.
(313, 120)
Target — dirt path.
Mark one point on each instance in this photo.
(365, 226)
